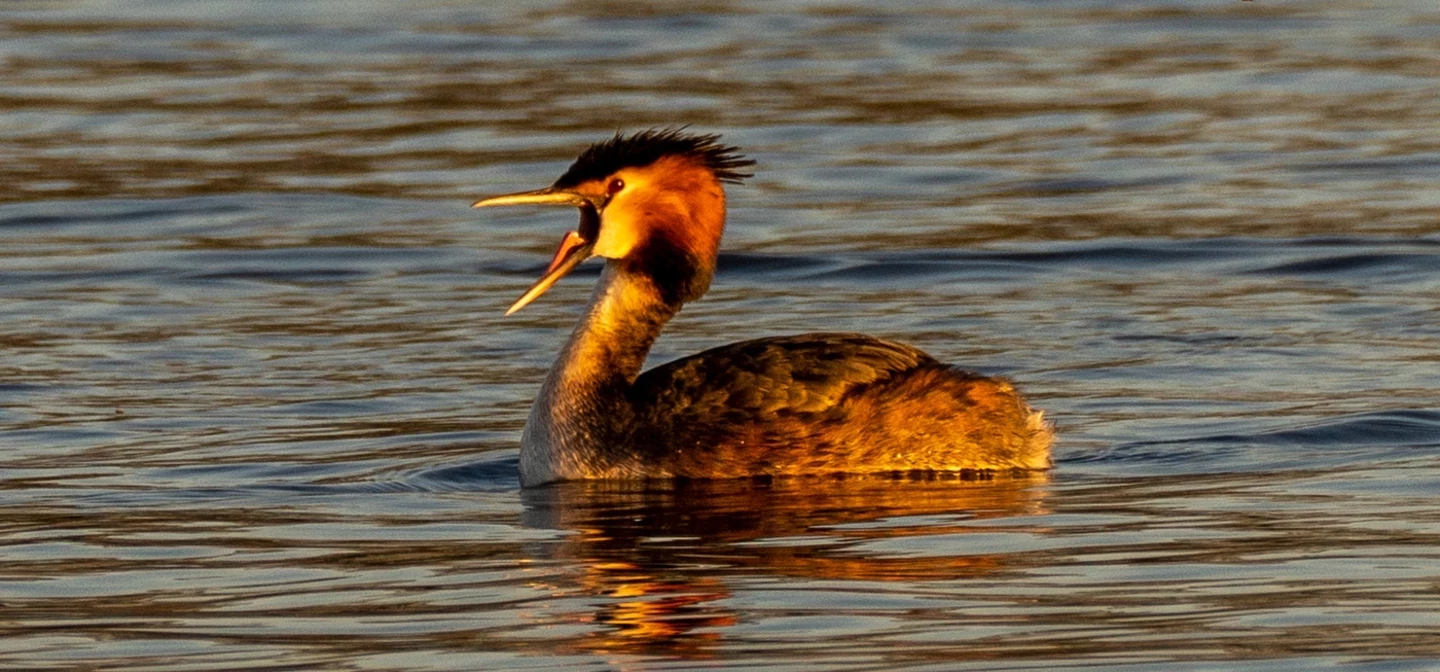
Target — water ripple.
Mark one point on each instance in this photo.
(1351, 441)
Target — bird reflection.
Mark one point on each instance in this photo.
(662, 558)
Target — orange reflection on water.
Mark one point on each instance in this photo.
(659, 560)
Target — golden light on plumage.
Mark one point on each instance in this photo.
(653, 205)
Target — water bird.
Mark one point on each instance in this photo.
(652, 204)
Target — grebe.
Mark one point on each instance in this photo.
(653, 206)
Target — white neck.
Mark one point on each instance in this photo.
(575, 422)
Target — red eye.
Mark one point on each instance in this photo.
(614, 187)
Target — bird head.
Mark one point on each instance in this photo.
(651, 201)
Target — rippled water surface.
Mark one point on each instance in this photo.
(259, 410)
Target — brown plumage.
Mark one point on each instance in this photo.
(653, 205)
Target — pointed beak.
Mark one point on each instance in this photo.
(573, 250)
(546, 196)
(575, 247)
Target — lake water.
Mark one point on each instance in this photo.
(259, 409)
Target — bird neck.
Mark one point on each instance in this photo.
(608, 347)
(580, 416)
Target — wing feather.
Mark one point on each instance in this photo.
(770, 377)
(823, 403)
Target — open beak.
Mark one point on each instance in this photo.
(573, 250)
(575, 247)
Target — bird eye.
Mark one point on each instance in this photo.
(614, 187)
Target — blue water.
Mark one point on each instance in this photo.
(259, 409)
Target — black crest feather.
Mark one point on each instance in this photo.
(647, 147)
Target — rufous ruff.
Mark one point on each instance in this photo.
(653, 205)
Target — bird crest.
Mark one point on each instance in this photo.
(646, 147)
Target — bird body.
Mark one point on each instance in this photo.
(653, 205)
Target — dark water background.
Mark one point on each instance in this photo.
(259, 410)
